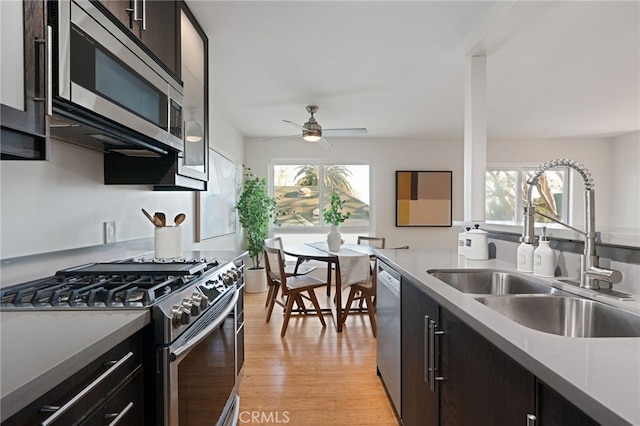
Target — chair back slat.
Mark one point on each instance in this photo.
(377, 242)
(274, 264)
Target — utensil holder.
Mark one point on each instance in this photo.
(168, 242)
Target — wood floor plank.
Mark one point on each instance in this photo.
(314, 375)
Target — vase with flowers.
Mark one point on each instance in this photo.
(334, 216)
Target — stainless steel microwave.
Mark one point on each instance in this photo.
(107, 88)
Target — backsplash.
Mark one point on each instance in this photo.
(568, 258)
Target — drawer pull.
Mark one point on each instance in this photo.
(61, 410)
(118, 416)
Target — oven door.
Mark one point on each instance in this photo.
(197, 374)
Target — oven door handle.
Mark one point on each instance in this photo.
(183, 350)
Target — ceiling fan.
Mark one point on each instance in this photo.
(313, 132)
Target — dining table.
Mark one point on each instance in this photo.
(319, 251)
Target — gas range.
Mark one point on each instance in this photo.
(176, 291)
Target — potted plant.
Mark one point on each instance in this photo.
(255, 210)
(334, 216)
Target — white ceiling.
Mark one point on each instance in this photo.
(555, 69)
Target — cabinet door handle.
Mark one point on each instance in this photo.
(48, 89)
(61, 410)
(134, 10)
(531, 420)
(432, 343)
(118, 416)
(144, 15)
(426, 364)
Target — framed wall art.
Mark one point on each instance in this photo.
(423, 198)
(216, 207)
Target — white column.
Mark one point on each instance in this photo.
(475, 137)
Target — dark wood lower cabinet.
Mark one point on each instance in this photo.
(419, 402)
(109, 387)
(554, 410)
(482, 385)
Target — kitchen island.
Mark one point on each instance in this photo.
(600, 376)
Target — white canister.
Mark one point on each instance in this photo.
(476, 244)
(168, 242)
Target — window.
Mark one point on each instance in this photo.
(506, 191)
(303, 190)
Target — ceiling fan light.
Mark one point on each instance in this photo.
(311, 138)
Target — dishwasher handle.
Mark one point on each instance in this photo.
(389, 281)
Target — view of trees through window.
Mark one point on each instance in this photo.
(506, 194)
(302, 191)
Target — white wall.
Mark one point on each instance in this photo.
(62, 203)
(594, 153)
(625, 172)
(387, 156)
(599, 155)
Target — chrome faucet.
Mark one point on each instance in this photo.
(591, 272)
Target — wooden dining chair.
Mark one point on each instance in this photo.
(376, 242)
(365, 291)
(292, 287)
(291, 268)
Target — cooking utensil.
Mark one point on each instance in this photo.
(149, 217)
(163, 219)
(179, 218)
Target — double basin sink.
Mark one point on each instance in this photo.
(539, 306)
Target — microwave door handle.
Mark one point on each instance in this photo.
(182, 351)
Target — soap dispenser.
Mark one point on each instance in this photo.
(461, 241)
(525, 257)
(544, 263)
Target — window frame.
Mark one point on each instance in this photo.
(322, 228)
(521, 168)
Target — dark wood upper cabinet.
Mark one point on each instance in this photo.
(155, 23)
(25, 124)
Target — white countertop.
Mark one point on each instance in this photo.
(38, 350)
(601, 376)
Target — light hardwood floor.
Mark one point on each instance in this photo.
(312, 376)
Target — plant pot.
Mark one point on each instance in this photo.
(255, 280)
(334, 239)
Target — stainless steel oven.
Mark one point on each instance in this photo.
(197, 372)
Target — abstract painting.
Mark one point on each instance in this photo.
(423, 198)
(216, 207)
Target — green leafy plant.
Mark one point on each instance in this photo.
(333, 214)
(255, 210)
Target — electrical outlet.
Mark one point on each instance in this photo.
(109, 232)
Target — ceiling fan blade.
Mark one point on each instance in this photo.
(323, 142)
(280, 137)
(295, 125)
(344, 132)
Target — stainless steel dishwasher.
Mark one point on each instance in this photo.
(388, 340)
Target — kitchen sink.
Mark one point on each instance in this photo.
(483, 281)
(566, 316)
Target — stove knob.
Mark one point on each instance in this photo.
(227, 279)
(191, 306)
(180, 316)
(201, 300)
